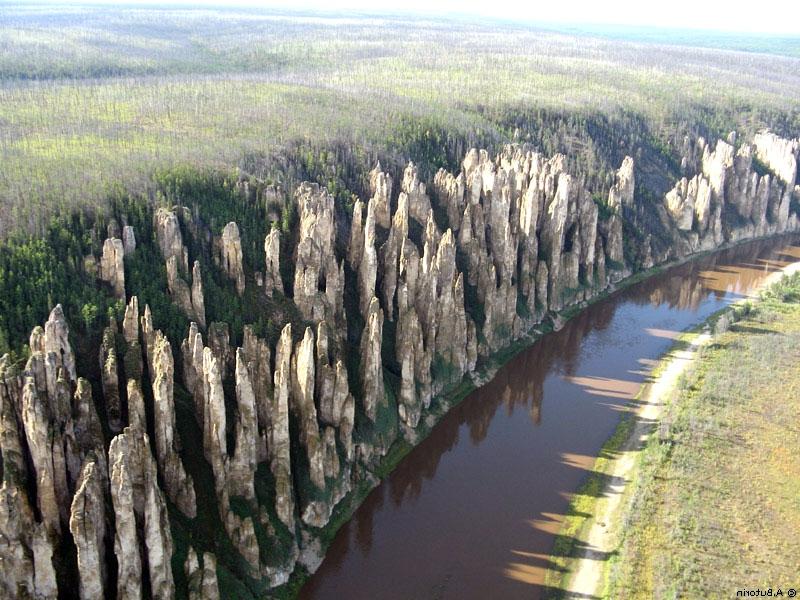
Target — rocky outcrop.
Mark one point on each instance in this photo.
(198, 310)
(46, 457)
(316, 262)
(419, 204)
(371, 365)
(87, 524)
(170, 239)
(128, 240)
(279, 444)
(201, 579)
(44, 573)
(109, 377)
(244, 459)
(256, 355)
(726, 199)
(214, 421)
(302, 405)
(499, 247)
(780, 155)
(355, 249)
(137, 417)
(368, 267)
(230, 255)
(16, 523)
(190, 300)
(139, 505)
(112, 266)
(178, 484)
(380, 185)
(272, 274)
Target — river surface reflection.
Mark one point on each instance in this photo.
(472, 511)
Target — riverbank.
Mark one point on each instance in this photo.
(443, 404)
(665, 510)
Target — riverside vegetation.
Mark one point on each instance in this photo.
(716, 491)
(217, 341)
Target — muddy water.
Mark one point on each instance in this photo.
(473, 510)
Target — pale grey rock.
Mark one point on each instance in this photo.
(40, 440)
(371, 365)
(356, 247)
(170, 239)
(16, 526)
(202, 580)
(137, 416)
(56, 342)
(214, 423)
(87, 525)
(257, 355)
(302, 404)
(368, 268)
(128, 240)
(380, 184)
(231, 256)
(244, 459)
(112, 266)
(315, 253)
(272, 274)
(198, 301)
(178, 484)
(279, 444)
(109, 378)
(137, 499)
(419, 205)
(44, 573)
(130, 324)
(779, 154)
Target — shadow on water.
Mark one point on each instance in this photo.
(474, 509)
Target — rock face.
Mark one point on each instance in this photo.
(87, 525)
(243, 462)
(230, 255)
(178, 484)
(380, 184)
(128, 240)
(419, 205)
(778, 154)
(202, 580)
(279, 444)
(109, 377)
(316, 261)
(272, 274)
(726, 199)
(214, 420)
(139, 503)
(371, 365)
(170, 239)
(112, 266)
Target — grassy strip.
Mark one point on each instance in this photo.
(699, 542)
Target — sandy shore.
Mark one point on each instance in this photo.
(599, 538)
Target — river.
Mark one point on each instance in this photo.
(473, 510)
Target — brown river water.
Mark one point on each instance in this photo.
(472, 511)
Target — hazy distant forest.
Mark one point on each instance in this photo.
(97, 99)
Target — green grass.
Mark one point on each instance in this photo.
(714, 495)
